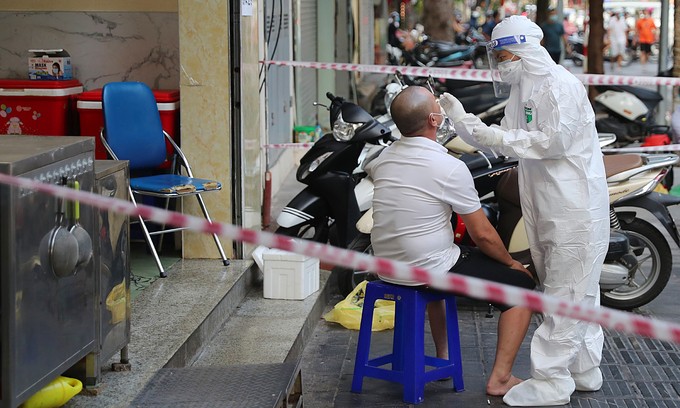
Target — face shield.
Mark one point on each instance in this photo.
(500, 87)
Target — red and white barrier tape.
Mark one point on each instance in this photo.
(638, 149)
(461, 74)
(288, 145)
(644, 149)
(472, 287)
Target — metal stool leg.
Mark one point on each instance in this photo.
(147, 236)
(160, 239)
(225, 260)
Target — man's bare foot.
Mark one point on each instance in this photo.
(498, 387)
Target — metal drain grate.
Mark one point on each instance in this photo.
(257, 385)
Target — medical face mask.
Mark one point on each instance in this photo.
(510, 71)
(445, 130)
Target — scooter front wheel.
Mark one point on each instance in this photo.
(652, 272)
(349, 278)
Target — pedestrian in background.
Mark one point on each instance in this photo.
(553, 36)
(646, 36)
(491, 21)
(618, 37)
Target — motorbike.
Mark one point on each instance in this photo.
(638, 262)
(331, 204)
(628, 112)
(576, 53)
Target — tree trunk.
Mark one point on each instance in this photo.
(542, 11)
(595, 41)
(437, 18)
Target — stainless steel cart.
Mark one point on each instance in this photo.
(112, 266)
(48, 318)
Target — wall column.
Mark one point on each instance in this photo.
(205, 112)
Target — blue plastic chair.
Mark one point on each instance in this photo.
(133, 131)
(408, 360)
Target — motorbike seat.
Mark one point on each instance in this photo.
(442, 48)
(508, 188)
(648, 97)
(618, 163)
(452, 63)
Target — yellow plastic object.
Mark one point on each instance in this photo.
(661, 189)
(348, 311)
(55, 394)
(116, 303)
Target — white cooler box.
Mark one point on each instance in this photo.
(288, 275)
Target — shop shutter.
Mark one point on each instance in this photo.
(305, 50)
(277, 33)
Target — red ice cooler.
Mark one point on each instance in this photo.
(91, 117)
(43, 108)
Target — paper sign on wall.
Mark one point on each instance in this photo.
(246, 7)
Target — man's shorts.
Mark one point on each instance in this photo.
(646, 48)
(617, 48)
(472, 262)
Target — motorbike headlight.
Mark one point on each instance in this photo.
(391, 92)
(343, 131)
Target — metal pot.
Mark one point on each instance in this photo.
(80, 233)
(59, 248)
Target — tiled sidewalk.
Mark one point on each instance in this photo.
(638, 372)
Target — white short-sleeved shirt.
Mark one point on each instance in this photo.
(417, 186)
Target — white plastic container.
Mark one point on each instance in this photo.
(288, 275)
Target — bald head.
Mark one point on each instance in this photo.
(411, 110)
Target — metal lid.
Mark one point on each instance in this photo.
(20, 154)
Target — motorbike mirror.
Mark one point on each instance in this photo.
(430, 84)
(322, 105)
(400, 78)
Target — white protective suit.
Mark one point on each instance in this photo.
(549, 125)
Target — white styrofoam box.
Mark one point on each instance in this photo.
(288, 275)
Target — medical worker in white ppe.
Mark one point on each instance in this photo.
(549, 125)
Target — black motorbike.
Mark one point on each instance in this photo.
(327, 209)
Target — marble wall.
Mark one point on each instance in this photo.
(104, 46)
(145, 46)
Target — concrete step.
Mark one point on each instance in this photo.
(170, 321)
(208, 316)
(263, 331)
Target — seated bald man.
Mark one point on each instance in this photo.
(417, 187)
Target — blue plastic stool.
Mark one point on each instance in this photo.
(408, 360)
